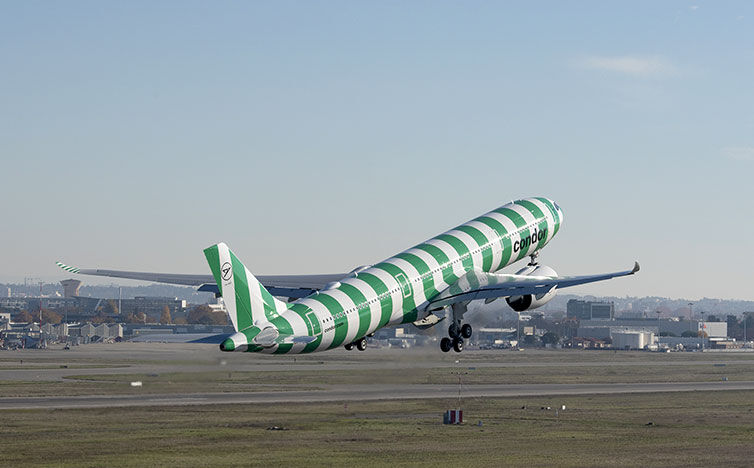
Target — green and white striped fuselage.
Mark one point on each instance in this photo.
(399, 289)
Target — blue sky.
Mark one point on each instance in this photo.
(318, 136)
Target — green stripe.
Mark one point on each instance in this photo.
(334, 307)
(538, 214)
(481, 240)
(360, 301)
(285, 329)
(386, 302)
(409, 307)
(459, 247)
(213, 259)
(269, 303)
(505, 242)
(243, 301)
(550, 208)
(428, 281)
(301, 310)
(519, 221)
(447, 273)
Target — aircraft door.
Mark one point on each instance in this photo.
(311, 317)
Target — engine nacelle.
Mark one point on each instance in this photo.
(531, 301)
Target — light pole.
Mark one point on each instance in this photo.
(704, 329)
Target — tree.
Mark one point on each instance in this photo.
(165, 317)
(102, 318)
(550, 338)
(689, 334)
(23, 317)
(48, 316)
(139, 317)
(667, 333)
(111, 307)
(712, 318)
(204, 315)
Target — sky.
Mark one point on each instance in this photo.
(313, 137)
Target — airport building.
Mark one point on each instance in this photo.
(590, 310)
(83, 308)
(602, 329)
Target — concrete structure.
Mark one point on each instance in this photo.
(632, 339)
(590, 310)
(71, 287)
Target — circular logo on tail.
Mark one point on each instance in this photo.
(226, 271)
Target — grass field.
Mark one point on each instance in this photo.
(688, 429)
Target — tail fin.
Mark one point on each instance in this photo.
(246, 300)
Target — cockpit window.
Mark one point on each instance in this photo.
(556, 206)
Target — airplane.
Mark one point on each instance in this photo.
(423, 285)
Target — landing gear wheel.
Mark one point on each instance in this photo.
(466, 331)
(446, 344)
(458, 345)
(349, 346)
(453, 331)
(361, 344)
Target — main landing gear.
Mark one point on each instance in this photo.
(456, 332)
(361, 344)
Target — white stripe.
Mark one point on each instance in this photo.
(227, 288)
(414, 279)
(375, 308)
(347, 304)
(321, 311)
(548, 217)
(491, 236)
(396, 296)
(434, 266)
(471, 246)
(451, 253)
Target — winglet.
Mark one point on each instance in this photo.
(636, 268)
(67, 268)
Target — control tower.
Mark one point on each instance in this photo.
(71, 287)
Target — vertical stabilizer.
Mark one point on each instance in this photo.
(246, 300)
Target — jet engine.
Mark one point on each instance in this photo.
(532, 301)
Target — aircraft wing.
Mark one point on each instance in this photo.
(481, 285)
(278, 285)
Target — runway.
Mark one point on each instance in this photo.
(362, 393)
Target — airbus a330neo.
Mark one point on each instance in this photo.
(423, 285)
